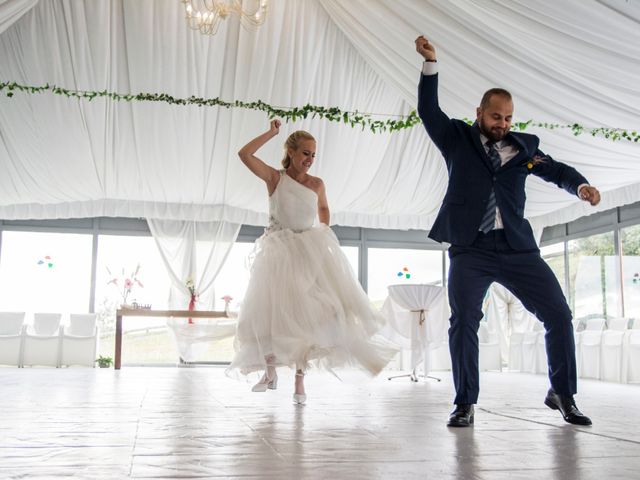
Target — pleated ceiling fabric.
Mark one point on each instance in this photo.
(564, 62)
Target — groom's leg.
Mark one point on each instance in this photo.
(471, 271)
(530, 279)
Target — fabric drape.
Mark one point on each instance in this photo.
(12, 10)
(506, 315)
(194, 252)
(565, 62)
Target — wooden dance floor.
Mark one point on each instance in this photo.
(197, 423)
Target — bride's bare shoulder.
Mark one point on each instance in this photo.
(315, 183)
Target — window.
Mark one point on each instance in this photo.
(144, 340)
(554, 256)
(353, 255)
(593, 276)
(232, 280)
(45, 272)
(630, 239)
(388, 266)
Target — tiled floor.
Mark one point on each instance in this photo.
(197, 423)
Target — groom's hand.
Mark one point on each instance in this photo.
(590, 194)
(426, 49)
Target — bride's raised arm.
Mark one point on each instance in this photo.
(247, 154)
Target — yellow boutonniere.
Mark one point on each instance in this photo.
(535, 160)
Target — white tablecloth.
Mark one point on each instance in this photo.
(193, 339)
(416, 319)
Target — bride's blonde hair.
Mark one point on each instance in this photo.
(293, 141)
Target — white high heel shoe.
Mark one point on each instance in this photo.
(266, 383)
(299, 398)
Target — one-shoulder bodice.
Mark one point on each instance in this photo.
(292, 206)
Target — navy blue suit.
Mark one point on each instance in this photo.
(508, 256)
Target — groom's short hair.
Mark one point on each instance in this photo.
(486, 98)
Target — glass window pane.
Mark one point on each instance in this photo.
(145, 340)
(352, 254)
(45, 272)
(233, 278)
(554, 256)
(630, 238)
(389, 266)
(593, 276)
(232, 281)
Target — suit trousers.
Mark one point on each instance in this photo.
(472, 269)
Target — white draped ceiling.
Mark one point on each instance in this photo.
(569, 61)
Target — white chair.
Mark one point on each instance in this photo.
(11, 329)
(541, 362)
(79, 340)
(618, 324)
(515, 351)
(590, 348)
(578, 326)
(489, 345)
(42, 340)
(631, 357)
(530, 348)
(440, 356)
(526, 322)
(612, 349)
(612, 356)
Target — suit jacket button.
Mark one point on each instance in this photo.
(494, 178)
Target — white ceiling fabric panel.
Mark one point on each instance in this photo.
(565, 62)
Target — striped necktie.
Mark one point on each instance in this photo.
(489, 218)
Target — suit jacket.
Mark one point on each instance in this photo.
(471, 176)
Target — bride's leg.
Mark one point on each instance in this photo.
(270, 378)
(299, 396)
(270, 372)
(299, 382)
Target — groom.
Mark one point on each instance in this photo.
(482, 217)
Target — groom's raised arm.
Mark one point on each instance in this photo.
(436, 122)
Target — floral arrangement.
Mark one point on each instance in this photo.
(125, 283)
(194, 296)
(227, 301)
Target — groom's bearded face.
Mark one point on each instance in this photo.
(494, 120)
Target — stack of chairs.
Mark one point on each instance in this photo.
(46, 342)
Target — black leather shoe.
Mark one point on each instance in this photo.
(567, 407)
(462, 416)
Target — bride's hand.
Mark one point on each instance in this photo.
(275, 126)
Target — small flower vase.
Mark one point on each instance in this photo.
(192, 306)
(227, 301)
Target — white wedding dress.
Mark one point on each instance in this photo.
(304, 305)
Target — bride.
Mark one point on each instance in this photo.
(304, 305)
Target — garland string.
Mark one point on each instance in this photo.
(333, 114)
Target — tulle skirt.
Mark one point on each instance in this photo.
(305, 308)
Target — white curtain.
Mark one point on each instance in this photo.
(505, 315)
(12, 10)
(569, 61)
(194, 251)
(565, 62)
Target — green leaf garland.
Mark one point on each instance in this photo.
(333, 114)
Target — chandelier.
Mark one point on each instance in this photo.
(205, 15)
